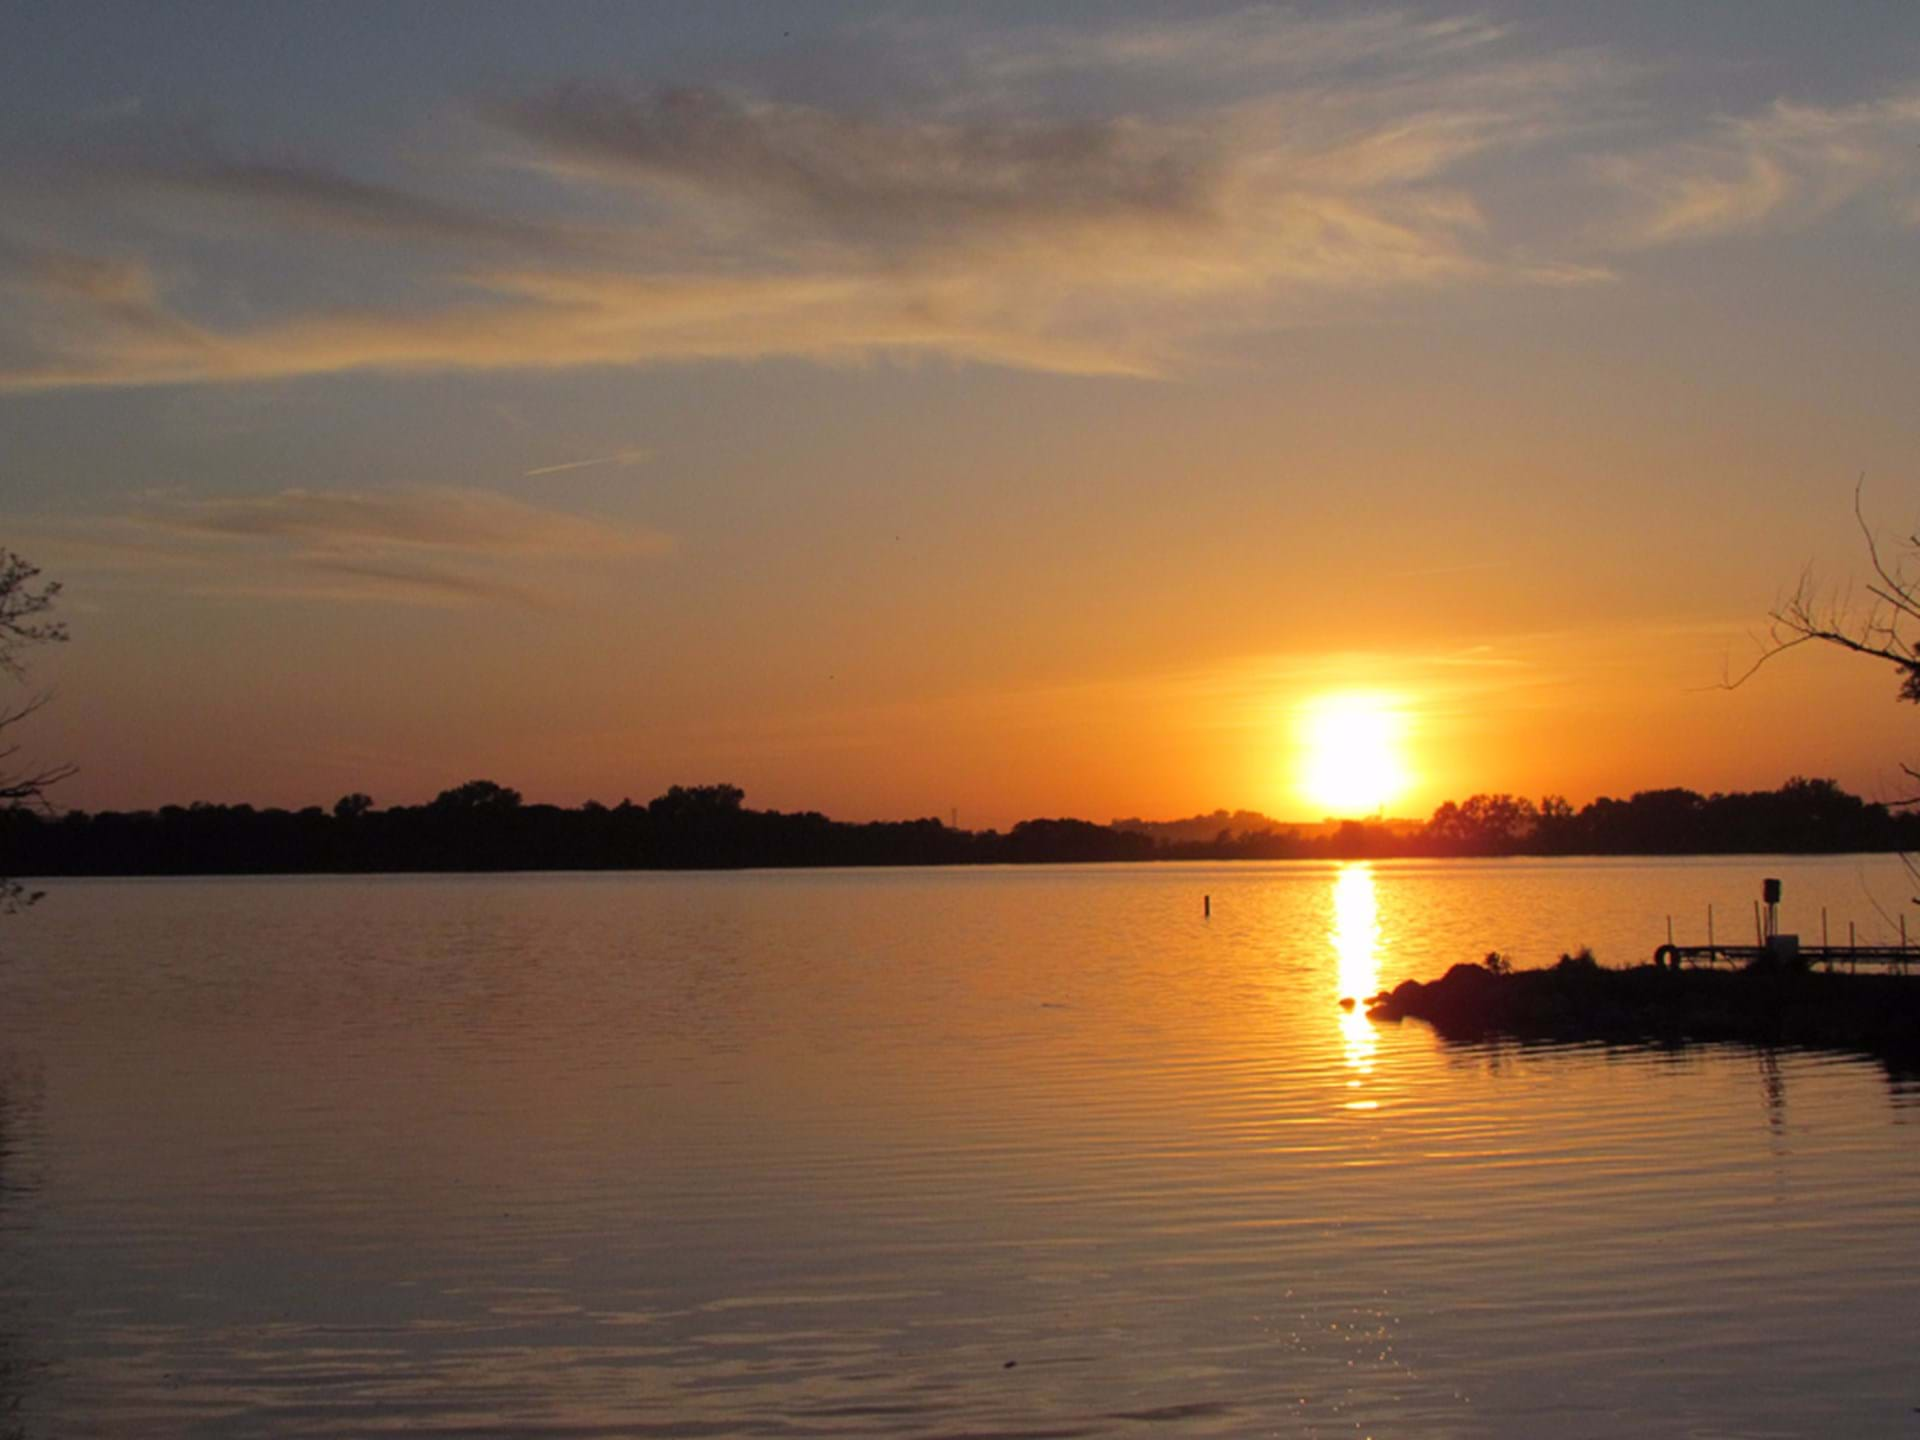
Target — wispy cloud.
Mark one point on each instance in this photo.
(550, 320)
(432, 546)
(1256, 44)
(298, 193)
(370, 580)
(329, 582)
(1782, 167)
(468, 521)
(619, 457)
(983, 223)
(869, 179)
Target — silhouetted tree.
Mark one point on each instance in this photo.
(697, 801)
(1038, 841)
(1483, 825)
(480, 825)
(477, 797)
(352, 807)
(705, 826)
(1555, 829)
(23, 608)
(1880, 628)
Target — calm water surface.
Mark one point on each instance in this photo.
(995, 1153)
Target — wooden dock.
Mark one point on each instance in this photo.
(1894, 959)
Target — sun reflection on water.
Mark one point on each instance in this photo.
(1356, 946)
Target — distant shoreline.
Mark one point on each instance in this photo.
(484, 827)
(508, 872)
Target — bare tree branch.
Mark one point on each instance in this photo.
(23, 608)
(1876, 631)
(20, 606)
(1895, 582)
(1803, 617)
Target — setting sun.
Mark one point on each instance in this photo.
(1350, 753)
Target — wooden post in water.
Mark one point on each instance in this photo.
(1206, 907)
(1825, 949)
(1709, 936)
(1853, 947)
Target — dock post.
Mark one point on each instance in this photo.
(1825, 949)
(1206, 907)
(1709, 936)
(1759, 935)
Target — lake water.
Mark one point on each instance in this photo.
(995, 1153)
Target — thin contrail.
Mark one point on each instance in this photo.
(619, 457)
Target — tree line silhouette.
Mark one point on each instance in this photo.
(482, 825)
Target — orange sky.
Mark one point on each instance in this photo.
(963, 411)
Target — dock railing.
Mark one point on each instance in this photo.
(1894, 959)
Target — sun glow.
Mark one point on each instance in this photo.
(1351, 760)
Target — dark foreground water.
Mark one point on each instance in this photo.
(1036, 1152)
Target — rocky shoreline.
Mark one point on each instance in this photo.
(1581, 1000)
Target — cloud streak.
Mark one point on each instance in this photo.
(299, 194)
(555, 320)
(869, 179)
(425, 546)
(1212, 176)
(1783, 167)
(619, 457)
(474, 522)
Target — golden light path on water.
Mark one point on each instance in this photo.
(1356, 946)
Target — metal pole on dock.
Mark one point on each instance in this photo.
(1759, 935)
(1669, 929)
